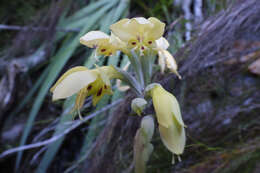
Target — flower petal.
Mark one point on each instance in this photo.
(140, 26)
(118, 44)
(94, 38)
(122, 30)
(81, 96)
(162, 106)
(162, 43)
(157, 30)
(173, 137)
(161, 61)
(142, 20)
(170, 62)
(176, 110)
(166, 106)
(70, 71)
(73, 83)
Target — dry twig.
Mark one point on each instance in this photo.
(75, 124)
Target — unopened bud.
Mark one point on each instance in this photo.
(138, 105)
(147, 124)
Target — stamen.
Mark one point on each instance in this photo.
(105, 86)
(99, 92)
(103, 50)
(133, 43)
(150, 42)
(89, 87)
(142, 48)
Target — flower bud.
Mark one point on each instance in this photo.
(138, 105)
(142, 146)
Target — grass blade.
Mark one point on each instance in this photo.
(53, 148)
(60, 60)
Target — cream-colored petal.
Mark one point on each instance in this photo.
(162, 106)
(173, 137)
(166, 106)
(162, 43)
(94, 38)
(102, 72)
(170, 62)
(70, 71)
(122, 30)
(142, 20)
(73, 83)
(114, 40)
(157, 30)
(161, 61)
(176, 110)
(140, 26)
(117, 43)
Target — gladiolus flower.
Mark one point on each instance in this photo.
(171, 125)
(139, 33)
(84, 82)
(105, 45)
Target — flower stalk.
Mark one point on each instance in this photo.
(142, 41)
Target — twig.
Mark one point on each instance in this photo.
(46, 130)
(25, 63)
(26, 28)
(55, 138)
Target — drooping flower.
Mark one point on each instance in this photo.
(142, 144)
(84, 82)
(165, 57)
(105, 45)
(171, 125)
(139, 33)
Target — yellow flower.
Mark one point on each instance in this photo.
(171, 125)
(139, 33)
(165, 57)
(84, 82)
(105, 45)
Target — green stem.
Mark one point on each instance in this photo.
(135, 61)
(147, 63)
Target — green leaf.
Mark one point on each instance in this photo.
(53, 148)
